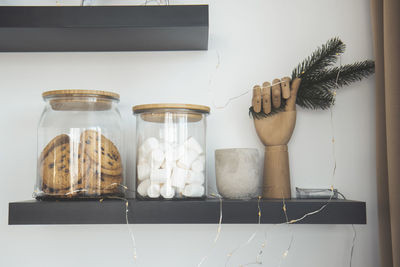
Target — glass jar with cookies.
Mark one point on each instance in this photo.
(79, 146)
(171, 146)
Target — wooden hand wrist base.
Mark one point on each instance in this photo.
(276, 172)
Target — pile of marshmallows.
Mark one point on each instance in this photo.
(170, 169)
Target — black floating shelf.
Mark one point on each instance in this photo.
(183, 211)
(103, 28)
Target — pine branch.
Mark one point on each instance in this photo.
(347, 74)
(317, 80)
(315, 97)
(323, 57)
(315, 90)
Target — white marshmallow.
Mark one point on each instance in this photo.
(178, 151)
(168, 164)
(199, 164)
(191, 143)
(157, 158)
(143, 171)
(193, 190)
(186, 160)
(142, 187)
(167, 191)
(153, 190)
(195, 178)
(160, 175)
(142, 159)
(168, 150)
(148, 145)
(178, 177)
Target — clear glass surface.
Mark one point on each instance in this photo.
(79, 148)
(171, 154)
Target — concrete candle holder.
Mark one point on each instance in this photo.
(238, 173)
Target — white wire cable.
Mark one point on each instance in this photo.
(218, 229)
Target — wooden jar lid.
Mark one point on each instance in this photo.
(186, 112)
(76, 99)
(80, 93)
(153, 107)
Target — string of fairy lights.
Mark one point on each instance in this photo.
(214, 195)
(288, 222)
(249, 240)
(284, 207)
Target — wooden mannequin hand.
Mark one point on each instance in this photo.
(276, 129)
(274, 132)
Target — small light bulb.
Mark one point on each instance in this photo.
(285, 254)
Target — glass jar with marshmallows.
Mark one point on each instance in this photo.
(171, 151)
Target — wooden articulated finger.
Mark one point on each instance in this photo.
(266, 97)
(285, 85)
(276, 93)
(256, 101)
(291, 102)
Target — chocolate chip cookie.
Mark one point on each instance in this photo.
(94, 182)
(101, 151)
(55, 168)
(56, 141)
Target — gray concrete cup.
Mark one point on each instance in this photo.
(238, 173)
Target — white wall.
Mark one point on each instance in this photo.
(256, 40)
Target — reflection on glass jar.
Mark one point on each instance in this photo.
(171, 150)
(79, 145)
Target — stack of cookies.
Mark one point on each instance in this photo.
(90, 168)
(55, 168)
(99, 164)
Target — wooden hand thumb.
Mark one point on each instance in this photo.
(291, 102)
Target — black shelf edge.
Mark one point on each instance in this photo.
(184, 212)
(103, 28)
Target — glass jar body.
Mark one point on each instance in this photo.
(79, 148)
(171, 154)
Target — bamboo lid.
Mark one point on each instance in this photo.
(80, 93)
(186, 112)
(81, 105)
(77, 99)
(174, 118)
(154, 107)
